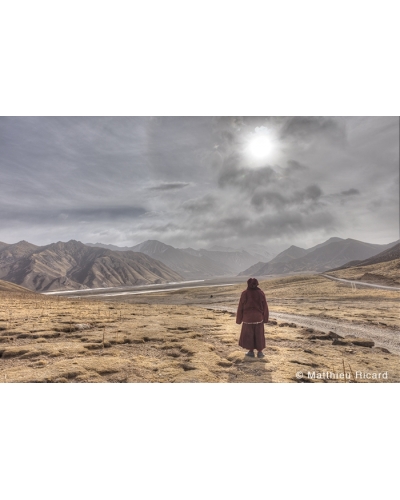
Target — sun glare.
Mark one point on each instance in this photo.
(261, 146)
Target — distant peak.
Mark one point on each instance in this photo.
(24, 243)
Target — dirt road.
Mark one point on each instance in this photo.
(363, 283)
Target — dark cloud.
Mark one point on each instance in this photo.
(350, 192)
(310, 194)
(100, 214)
(311, 129)
(166, 186)
(245, 178)
(200, 205)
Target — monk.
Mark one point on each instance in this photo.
(253, 312)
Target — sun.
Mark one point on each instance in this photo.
(261, 146)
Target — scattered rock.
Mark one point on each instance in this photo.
(83, 326)
(382, 349)
(14, 352)
(283, 324)
(341, 342)
(292, 325)
(303, 363)
(334, 335)
(173, 354)
(272, 322)
(363, 343)
(95, 346)
(354, 341)
(187, 367)
(225, 363)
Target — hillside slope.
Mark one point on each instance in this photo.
(6, 286)
(73, 265)
(323, 258)
(383, 269)
(188, 265)
(385, 256)
(191, 263)
(10, 254)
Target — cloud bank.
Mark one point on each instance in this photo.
(192, 181)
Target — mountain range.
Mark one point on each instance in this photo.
(323, 257)
(194, 264)
(391, 253)
(73, 265)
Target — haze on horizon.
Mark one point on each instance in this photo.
(199, 181)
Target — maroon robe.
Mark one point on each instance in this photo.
(253, 312)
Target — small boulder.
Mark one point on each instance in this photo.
(334, 335)
(341, 342)
(382, 349)
(82, 326)
(354, 341)
(225, 363)
(363, 343)
(93, 346)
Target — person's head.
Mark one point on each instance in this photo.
(252, 283)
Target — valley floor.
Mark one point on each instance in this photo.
(191, 335)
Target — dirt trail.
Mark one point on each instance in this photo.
(382, 336)
(360, 283)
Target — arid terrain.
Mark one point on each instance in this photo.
(191, 335)
(382, 273)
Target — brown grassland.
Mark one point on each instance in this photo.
(190, 335)
(384, 273)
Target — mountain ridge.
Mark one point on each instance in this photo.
(386, 255)
(194, 264)
(321, 258)
(73, 265)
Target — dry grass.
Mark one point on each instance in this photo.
(384, 273)
(171, 337)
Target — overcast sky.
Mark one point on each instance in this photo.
(199, 181)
